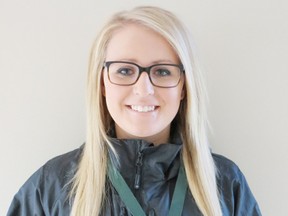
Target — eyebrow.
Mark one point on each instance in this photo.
(163, 61)
(160, 61)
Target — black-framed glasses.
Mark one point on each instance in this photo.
(126, 73)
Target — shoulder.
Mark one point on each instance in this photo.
(60, 168)
(62, 165)
(234, 191)
(226, 167)
(46, 191)
(229, 175)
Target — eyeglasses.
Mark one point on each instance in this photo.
(127, 73)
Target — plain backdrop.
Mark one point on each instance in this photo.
(44, 49)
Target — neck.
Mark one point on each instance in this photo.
(158, 138)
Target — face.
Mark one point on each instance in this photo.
(141, 110)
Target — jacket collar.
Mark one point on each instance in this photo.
(152, 163)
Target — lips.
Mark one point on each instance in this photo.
(139, 108)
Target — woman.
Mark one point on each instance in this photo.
(146, 151)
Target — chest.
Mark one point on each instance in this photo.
(155, 200)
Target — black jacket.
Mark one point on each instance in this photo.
(46, 191)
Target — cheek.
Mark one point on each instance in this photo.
(104, 83)
(114, 95)
(177, 94)
(111, 100)
(109, 93)
(171, 99)
(107, 88)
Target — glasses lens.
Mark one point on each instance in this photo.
(123, 73)
(165, 75)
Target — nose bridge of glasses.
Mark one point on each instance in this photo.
(144, 69)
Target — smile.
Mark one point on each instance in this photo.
(142, 108)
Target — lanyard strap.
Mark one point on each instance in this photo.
(133, 205)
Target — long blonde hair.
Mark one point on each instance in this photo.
(88, 186)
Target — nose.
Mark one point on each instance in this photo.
(143, 86)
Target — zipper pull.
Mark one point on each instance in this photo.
(138, 170)
(151, 212)
(123, 211)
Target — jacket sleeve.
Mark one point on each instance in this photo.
(28, 201)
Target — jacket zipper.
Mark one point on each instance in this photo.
(138, 170)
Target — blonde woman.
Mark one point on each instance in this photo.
(146, 151)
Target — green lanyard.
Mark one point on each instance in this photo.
(133, 205)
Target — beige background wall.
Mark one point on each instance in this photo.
(44, 47)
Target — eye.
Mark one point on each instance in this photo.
(161, 72)
(125, 71)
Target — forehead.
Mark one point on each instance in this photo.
(139, 44)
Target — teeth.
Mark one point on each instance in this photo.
(142, 108)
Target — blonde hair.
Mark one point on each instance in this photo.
(88, 189)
